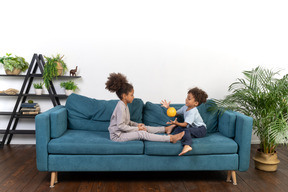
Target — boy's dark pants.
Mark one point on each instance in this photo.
(190, 132)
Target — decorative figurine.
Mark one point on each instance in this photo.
(73, 71)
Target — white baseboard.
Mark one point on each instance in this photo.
(255, 141)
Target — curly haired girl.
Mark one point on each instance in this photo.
(121, 127)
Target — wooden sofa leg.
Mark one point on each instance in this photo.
(228, 177)
(233, 173)
(234, 177)
(56, 177)
(53, 178)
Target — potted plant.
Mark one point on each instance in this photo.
(53, 67)
(13, 65)
(265, 98)
(38, 88)
(69, 87)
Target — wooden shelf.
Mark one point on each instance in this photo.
(18, 114)
(18, 131)
(34, 95)
(38, 75)
(5, 113)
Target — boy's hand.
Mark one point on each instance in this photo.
(165, 103)
(141, 127)
(173, 122)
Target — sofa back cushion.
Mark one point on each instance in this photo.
(58, 121)
(227, 123)
(91, 114)
(210, 118)
(155, 115)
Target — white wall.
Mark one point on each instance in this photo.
(164, 47)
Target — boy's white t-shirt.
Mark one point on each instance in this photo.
(192, 116)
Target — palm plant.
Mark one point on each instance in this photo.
(265, 98)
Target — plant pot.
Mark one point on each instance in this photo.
(68, 92)
(59, 69)
(16, 71)
(38, 91)
(266, 162)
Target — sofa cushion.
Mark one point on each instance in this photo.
(155, 115)
(91, 114)
(210, 118)
(212, 143)
(227, 123)
(92, 143)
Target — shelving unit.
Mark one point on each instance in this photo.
(37, 62)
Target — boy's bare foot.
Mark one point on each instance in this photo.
(185, 149)
(169, 128)
(177, 137)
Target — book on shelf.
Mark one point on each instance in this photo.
(30, 112)
(30, 108)
(27, 109)
(29, 105)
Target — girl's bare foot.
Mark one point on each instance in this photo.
(169, 129)
(177, 137)
(185, 149)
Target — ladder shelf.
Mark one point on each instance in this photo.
(36, 63)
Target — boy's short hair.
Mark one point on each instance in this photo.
(199, 95)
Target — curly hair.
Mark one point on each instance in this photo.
(118, 83)
(199, 95)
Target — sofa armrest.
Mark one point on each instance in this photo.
(243, 135)
(43, 136)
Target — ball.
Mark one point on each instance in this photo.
(171, 112)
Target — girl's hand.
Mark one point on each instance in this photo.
(165, 103)
(141, 127)
(173, 122)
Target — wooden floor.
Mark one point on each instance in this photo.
(19, 173)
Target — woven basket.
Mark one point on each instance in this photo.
(59, 69)
(266, 162)
(16, 71)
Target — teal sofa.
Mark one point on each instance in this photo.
(75, 137)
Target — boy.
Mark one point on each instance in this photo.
(193, 124)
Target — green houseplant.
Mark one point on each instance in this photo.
(53, 67)
(38, 85)
(13, 65)
(38, 88)
(69, 87)
(265, 98)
